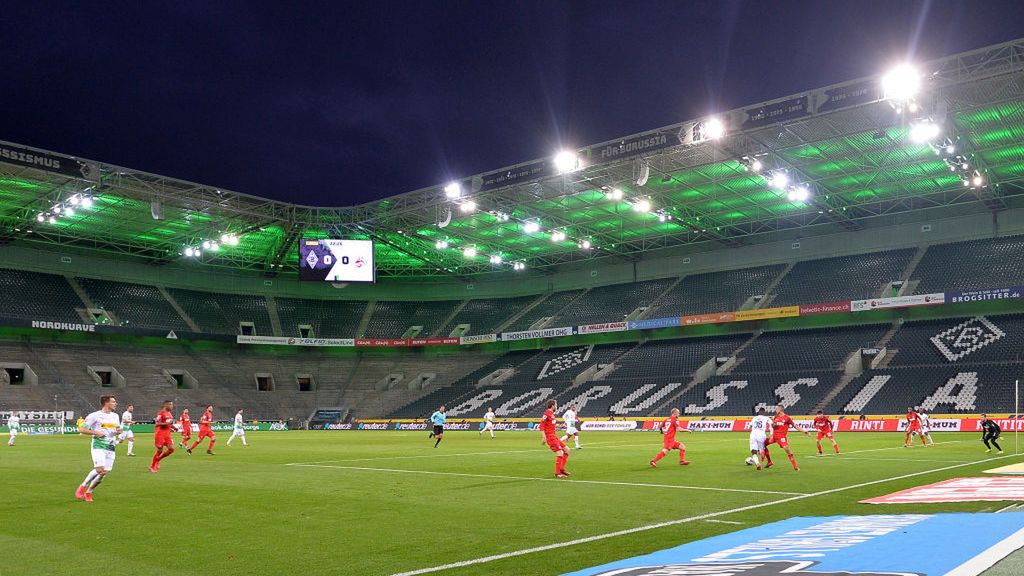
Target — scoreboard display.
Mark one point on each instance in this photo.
(336, 260)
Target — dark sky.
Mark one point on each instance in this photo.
(336, 103)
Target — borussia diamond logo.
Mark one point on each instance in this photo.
(966, 338)
(312, 259)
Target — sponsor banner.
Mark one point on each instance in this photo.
(982, 295)
(712, 425)
(44, 429)
(37, 415)
(247, 426)
(716, 318)
(634, 146)
(68, 326)
(332, 426)
(652, 323)
(776, 112)
(288, 341)
(600, 328)
(869, 545)
(608, 425)
(898, 302)
(983, 489)
(530, 334)
(382, 342)
(851, 95)
(478, 339)
(826, 308)
(767, 313)
(516, 174)
(50, 162)
(434, 342)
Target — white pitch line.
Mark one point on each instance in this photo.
(723, 521)
(841, 458)
(536, 479)
(628, 531)
(879, 450)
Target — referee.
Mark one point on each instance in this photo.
(990, 432)
(438, 419)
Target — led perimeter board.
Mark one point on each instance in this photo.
(336, 260)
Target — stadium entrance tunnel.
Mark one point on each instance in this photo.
(18, 374)
(106, 376)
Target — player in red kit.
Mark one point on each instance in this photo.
(547, 427)
(913, 427)
(205, 431)
(781, 423)
(669, 427)
(186, 428)
(162, 438)
(824, 427)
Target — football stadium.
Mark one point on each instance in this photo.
(502, 374)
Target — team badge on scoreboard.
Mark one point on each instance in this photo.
(877, 545)
(335, 260)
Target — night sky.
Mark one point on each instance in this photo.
(335, 103)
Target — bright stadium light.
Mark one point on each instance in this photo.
(566, 161)
(69, 212)
(642, 205)
(901, 83)
(615, 194)
(57, 209)
(53, 220)
(214, 246)
(779, 180)
(40, 217)
(87, 201)
(75, 200)
(531, 227)
(584, 244)
(519, 266)
(924, 131)
(798, 194)
(978, 180)
(469, 252)
(557, 236)
(467, 206)
(453, 190)
(441, 244)
(495, 259)
(714, 129)
(189, 251)
(207, 244)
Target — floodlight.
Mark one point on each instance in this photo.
(557, 236)
(615, 194)
(453, 190)
(566, 161)
(978, 181)
(467, 206)
(901, 83)
(189, 251)
(924, 131)
(518, 266)
(585, 244)
(53, 220)
(69, 212)
(40, 217)
(496, 259)
(214, 246)
(713, 129)
(441, 244)
(75, 200)
(207, 244)
(469, 252)
(799, 194)
(87, 202)
(531, 227)
(642, 205)
(779, 180)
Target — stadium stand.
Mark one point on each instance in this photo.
(842, 278)
(37, 296)
(134, 304)
(485, 315)
(734, 395)
(221, 313)
(392, 319)
(714, 291)
(971, 265)
(814, 349)
(611, 303)
(664, 358)
(941, 389)
(329, 318)
(978, 339)
(550, 306)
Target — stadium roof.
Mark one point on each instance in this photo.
(846, 147)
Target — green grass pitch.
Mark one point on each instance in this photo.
(367, 508)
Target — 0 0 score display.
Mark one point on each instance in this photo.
(336, 260)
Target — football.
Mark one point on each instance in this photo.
(750, 461)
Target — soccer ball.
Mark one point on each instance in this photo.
(750, 461)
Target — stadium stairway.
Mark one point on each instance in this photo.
(503, 326)
(275, 320)
(177, 307)
(769, 291)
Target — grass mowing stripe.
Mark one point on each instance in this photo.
(645, 528)
(536, 479)
(447, 455)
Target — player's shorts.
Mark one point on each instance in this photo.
(824, 434)
(127, 435)
(488, 426)
(238, 432)
(13, 432)
(103, 459)
(914, 428)
(438, 430)
(571, 430)
(555, 444)
(161, 440)
(782, 441)
(757, 442)
(671, 444)
(186, 432)
(207, 434)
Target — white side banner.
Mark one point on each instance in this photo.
(529, 334)
(478, 339)
(710, 426)
(285, 341)
(605, 425)
(606, 327)
(898, 302)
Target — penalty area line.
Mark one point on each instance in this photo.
(535, 479)
(598, 537)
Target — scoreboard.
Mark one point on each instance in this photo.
(336, 260)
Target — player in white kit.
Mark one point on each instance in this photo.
(569, 417)
(238, 430)
(102, 426)
(127, 419)
(926, 428)
(760, 432)
(13, 427)
(488, 423)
